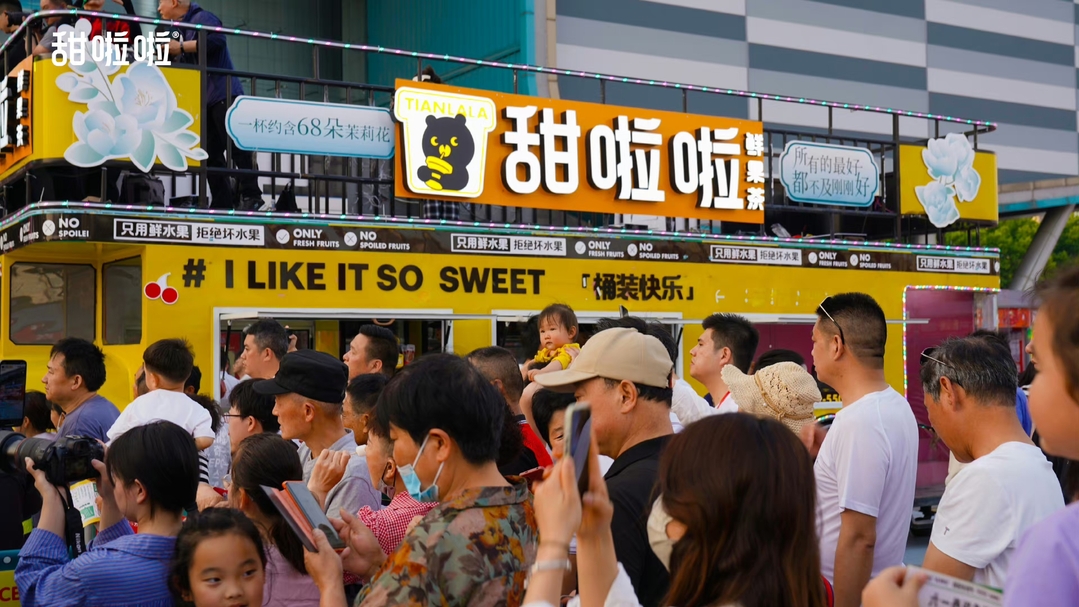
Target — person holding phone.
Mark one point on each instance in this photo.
(738, 535)
(474, 548)
(626, 376)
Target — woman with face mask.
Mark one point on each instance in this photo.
(445, 422)
(267, 459)
(738, 535)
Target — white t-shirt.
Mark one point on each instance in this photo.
(689, 407)
(727, 405)
(990, 504)
(164, 405)
(868, 463)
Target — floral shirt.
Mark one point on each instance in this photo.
(474, 550)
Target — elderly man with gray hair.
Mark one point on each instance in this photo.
(1007, 484)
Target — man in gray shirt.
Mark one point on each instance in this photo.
(76, 371)
(309, 390)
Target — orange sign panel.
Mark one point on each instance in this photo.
(514, 150)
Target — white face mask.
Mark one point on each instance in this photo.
(662, 545)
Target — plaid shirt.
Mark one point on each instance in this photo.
(442, 209)
(390, 523)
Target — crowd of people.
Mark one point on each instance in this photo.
(449, 482)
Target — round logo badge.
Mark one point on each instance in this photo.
(48, 228)
(580, 247)
(282, 236)
(812, 257)
(350, 239)
(854, 259)
(632, 250)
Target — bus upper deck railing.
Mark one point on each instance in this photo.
(364, 187)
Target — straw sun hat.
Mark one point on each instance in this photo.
(784, 391)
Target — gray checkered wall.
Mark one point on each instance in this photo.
(1010, 61)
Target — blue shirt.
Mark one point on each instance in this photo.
(92, 419)
(121, 569)
(217, 54)
(1023, 411)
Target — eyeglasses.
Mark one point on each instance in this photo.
(927, 355)
(842, 339)
(239, 415)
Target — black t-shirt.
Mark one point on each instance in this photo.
(631, 483)
(21, 501)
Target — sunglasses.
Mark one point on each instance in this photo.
(842, 339)
(927, 356)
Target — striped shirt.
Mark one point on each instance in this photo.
(120, 569)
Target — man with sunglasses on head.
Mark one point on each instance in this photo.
(867, 463)
(1007, 485)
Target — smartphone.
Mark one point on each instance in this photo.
(12, 392)
(294, 519)
(579, 440)
(313, 512)
(535, 474)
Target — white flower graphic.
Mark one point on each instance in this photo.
(950, 162)
(939, 203)
(131, 115)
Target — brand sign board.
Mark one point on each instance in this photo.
(16, 143)
(821, 173)
(514, 150)
(948, 180)
(95, 112)
(306, 127)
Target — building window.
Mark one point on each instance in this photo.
(121, 284)
(52, 301)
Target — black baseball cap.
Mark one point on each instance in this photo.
(311, 374)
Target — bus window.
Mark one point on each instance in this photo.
(52, 301)
(122, 299)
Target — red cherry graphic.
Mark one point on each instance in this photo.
(153, 290)
(170, 295)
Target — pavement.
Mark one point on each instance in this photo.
(916, 547)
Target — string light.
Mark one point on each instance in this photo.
(982, 126)
(906, 315)
(378, 221)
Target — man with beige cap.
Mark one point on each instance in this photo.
(625, 376)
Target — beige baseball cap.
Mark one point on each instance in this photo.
(623, 354)
(784, 391)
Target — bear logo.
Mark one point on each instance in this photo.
(449, 147)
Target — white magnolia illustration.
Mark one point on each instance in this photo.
(131, 115)
(950, 162)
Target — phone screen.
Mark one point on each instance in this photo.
(579, 440)
(12, 392)
(310, 508)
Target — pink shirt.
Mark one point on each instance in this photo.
(390, 523)
(286, 587)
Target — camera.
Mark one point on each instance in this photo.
(65, 460)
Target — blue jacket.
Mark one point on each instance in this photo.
(217, 54)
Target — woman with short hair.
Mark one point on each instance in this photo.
(475, 547)
(150, 475)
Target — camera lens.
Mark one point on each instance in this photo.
(9, 451)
